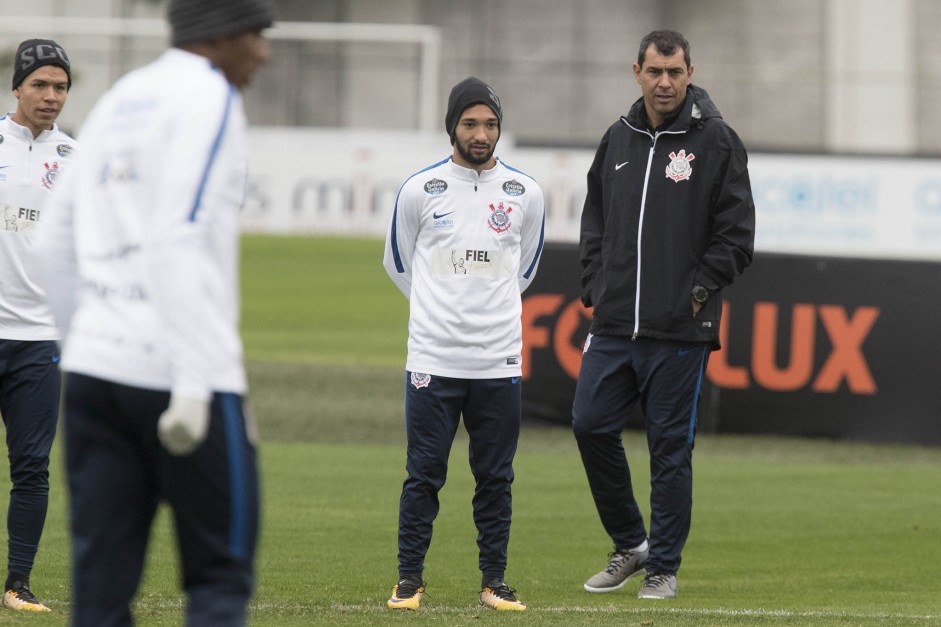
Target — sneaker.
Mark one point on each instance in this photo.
(18, 597)
(623, 566)
(406, 595)
(499, 596)
(658, 586)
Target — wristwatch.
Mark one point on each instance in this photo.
(700, 294)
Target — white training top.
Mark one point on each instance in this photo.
(146, 230)
(462, 247)
(28, 169)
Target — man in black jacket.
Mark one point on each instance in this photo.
(668, 223)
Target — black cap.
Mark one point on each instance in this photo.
(201, 20)
(468, 92)
(35, 53)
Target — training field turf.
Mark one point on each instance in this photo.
(786, 532)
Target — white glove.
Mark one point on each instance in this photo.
(184, 425)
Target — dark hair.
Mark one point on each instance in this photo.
(666, 42)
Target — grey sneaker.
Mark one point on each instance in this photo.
(623, 566)
(658, 586)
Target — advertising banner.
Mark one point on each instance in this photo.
(811, 346)
(342, 182)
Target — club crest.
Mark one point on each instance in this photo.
(420, 380)
(499, 219)
(679, 168)
(49, 178)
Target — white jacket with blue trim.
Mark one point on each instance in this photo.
(462, 247)
(142, 252)
(29, 168)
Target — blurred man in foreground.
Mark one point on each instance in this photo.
(142, 268)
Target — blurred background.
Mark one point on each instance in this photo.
(789, 75)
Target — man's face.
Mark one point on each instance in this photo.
(40, 98)
(663, 81)
(240, 56)
(475, 137)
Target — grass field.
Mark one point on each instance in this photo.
(785, 532)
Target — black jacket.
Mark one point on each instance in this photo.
(665, 211)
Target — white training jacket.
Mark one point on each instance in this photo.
(146, 233)
(29, 167)
(462, 247)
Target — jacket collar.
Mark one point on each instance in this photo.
(467, 174)
(17, 130)
(697, 107)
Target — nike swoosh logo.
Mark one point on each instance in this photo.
(55, 359)
(681, 352)
(438, 216)
(618, 166)
(515, 380)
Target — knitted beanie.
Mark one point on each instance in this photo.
(201, 20)
(468, 92)
(35, 53)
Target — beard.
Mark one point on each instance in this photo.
(466, 154)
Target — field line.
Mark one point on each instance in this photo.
(379, 607)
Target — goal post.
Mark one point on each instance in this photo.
(428, 38)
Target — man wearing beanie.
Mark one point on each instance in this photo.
(33, 151)
(464, 242)
(141, 264)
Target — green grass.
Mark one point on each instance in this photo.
(321, 300)
(786, 532)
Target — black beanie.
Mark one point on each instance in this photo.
(35, 53)
(201, 20)
(470, 91)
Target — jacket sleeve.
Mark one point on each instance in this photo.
(401, 238)
(532, 238)
(592, 228)
(56, 248)
(192, 205)
(732, 243)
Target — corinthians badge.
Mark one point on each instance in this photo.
(679, 168)
(420, 380)
(49, 178)
(499, 219)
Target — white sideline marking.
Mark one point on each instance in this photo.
(379, 607)
(757, 613)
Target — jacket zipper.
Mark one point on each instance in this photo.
(640, 234)
(640, 225)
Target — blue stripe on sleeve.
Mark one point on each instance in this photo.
(396, 255)
(542, 239)
(394, 240)
(542, 230)
(213, 151)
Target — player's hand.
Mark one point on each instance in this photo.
(184, 425)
